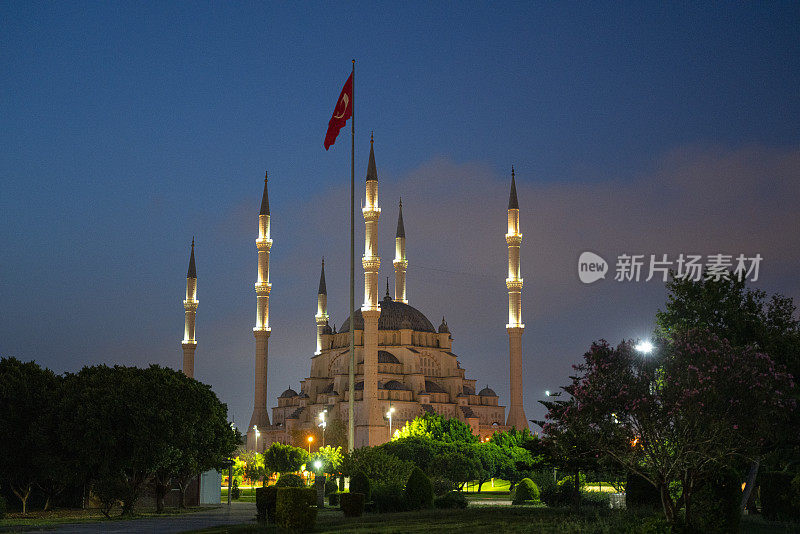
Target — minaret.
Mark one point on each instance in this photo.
(516, 413)
(260, 418)
(400, 262)
(189, 343)
(322, 308)
(370, 425)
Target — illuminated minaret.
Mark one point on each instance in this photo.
(516, 413)
(370, 425)
(189, 343)
(322, 308)
(400, 262)
(260, 418)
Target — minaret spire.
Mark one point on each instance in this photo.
(400, 262)
(262, 331)
(371, 429)
(322, 308)
(189, 343)
(516, 412)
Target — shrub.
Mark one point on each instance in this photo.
(352, 504)
(266, 499)
(293, 511)
(2, 507)
(235, 491)
(290, 481)
(331, 486)
(596, 499)
(454, 499)
(795, 496)
(333, 498)
(359, 483)
(776, 500)
(556, 496)
(715, 505)
(442, 486)
(419, 491)
(387, 498)
(640, 492)
(526, 492)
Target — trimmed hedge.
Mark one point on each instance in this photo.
(387, 498)
(526, 492)
(419, 491)
(333, 498)
(454, 499)
(290, 481)
(359, 483)
(293, 511)
(352, 504)
(266, 499)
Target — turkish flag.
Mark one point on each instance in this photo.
(342, 112)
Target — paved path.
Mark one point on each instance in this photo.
(239, 512)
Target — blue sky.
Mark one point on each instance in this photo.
(127, 128)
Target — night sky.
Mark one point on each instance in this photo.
(128, 128)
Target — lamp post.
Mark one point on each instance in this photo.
(389, 415)
(323, 424)
(310, 439)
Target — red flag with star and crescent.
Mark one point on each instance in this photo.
(341, 113)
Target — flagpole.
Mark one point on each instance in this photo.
(350, 404)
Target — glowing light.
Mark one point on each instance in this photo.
(635, 441)
(547, 392)
(317, 464)
(644, 347)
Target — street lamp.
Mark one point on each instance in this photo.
(317, 465)
(257, 433)
(389, 415)
(323, 424)
(310, 439)
(645, 347)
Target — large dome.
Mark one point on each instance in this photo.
(394, 316)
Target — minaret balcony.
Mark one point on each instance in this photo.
(515, 328)
(514, 239)
(371, 213)
(371, 263)
(264, 243)
(400, 263)
(321, 318)
(189, 343)
(190, 305)
(514, 284)
(263, 288)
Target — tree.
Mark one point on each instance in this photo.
(27, 396)
(516, 460)
(378, 465)
(438, 428)
(280, 458)
(697, 403)
(331, 458)
(744, 317)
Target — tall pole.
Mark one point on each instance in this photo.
(350, 404)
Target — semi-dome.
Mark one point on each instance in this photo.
(393, 315)
(288, 393)
(433, 387)
(487, 392)
(394, 385)
(387, 357)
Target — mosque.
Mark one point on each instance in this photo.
(404, 366)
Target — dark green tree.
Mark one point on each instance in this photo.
(280, 458)
(28, 456)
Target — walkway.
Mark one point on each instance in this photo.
(239, 512)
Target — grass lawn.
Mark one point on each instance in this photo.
(39, 518)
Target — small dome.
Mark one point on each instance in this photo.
(387, 357)
(433, 387)
(394, 385)
(288, 393)
(443, 329)
(487, 392)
